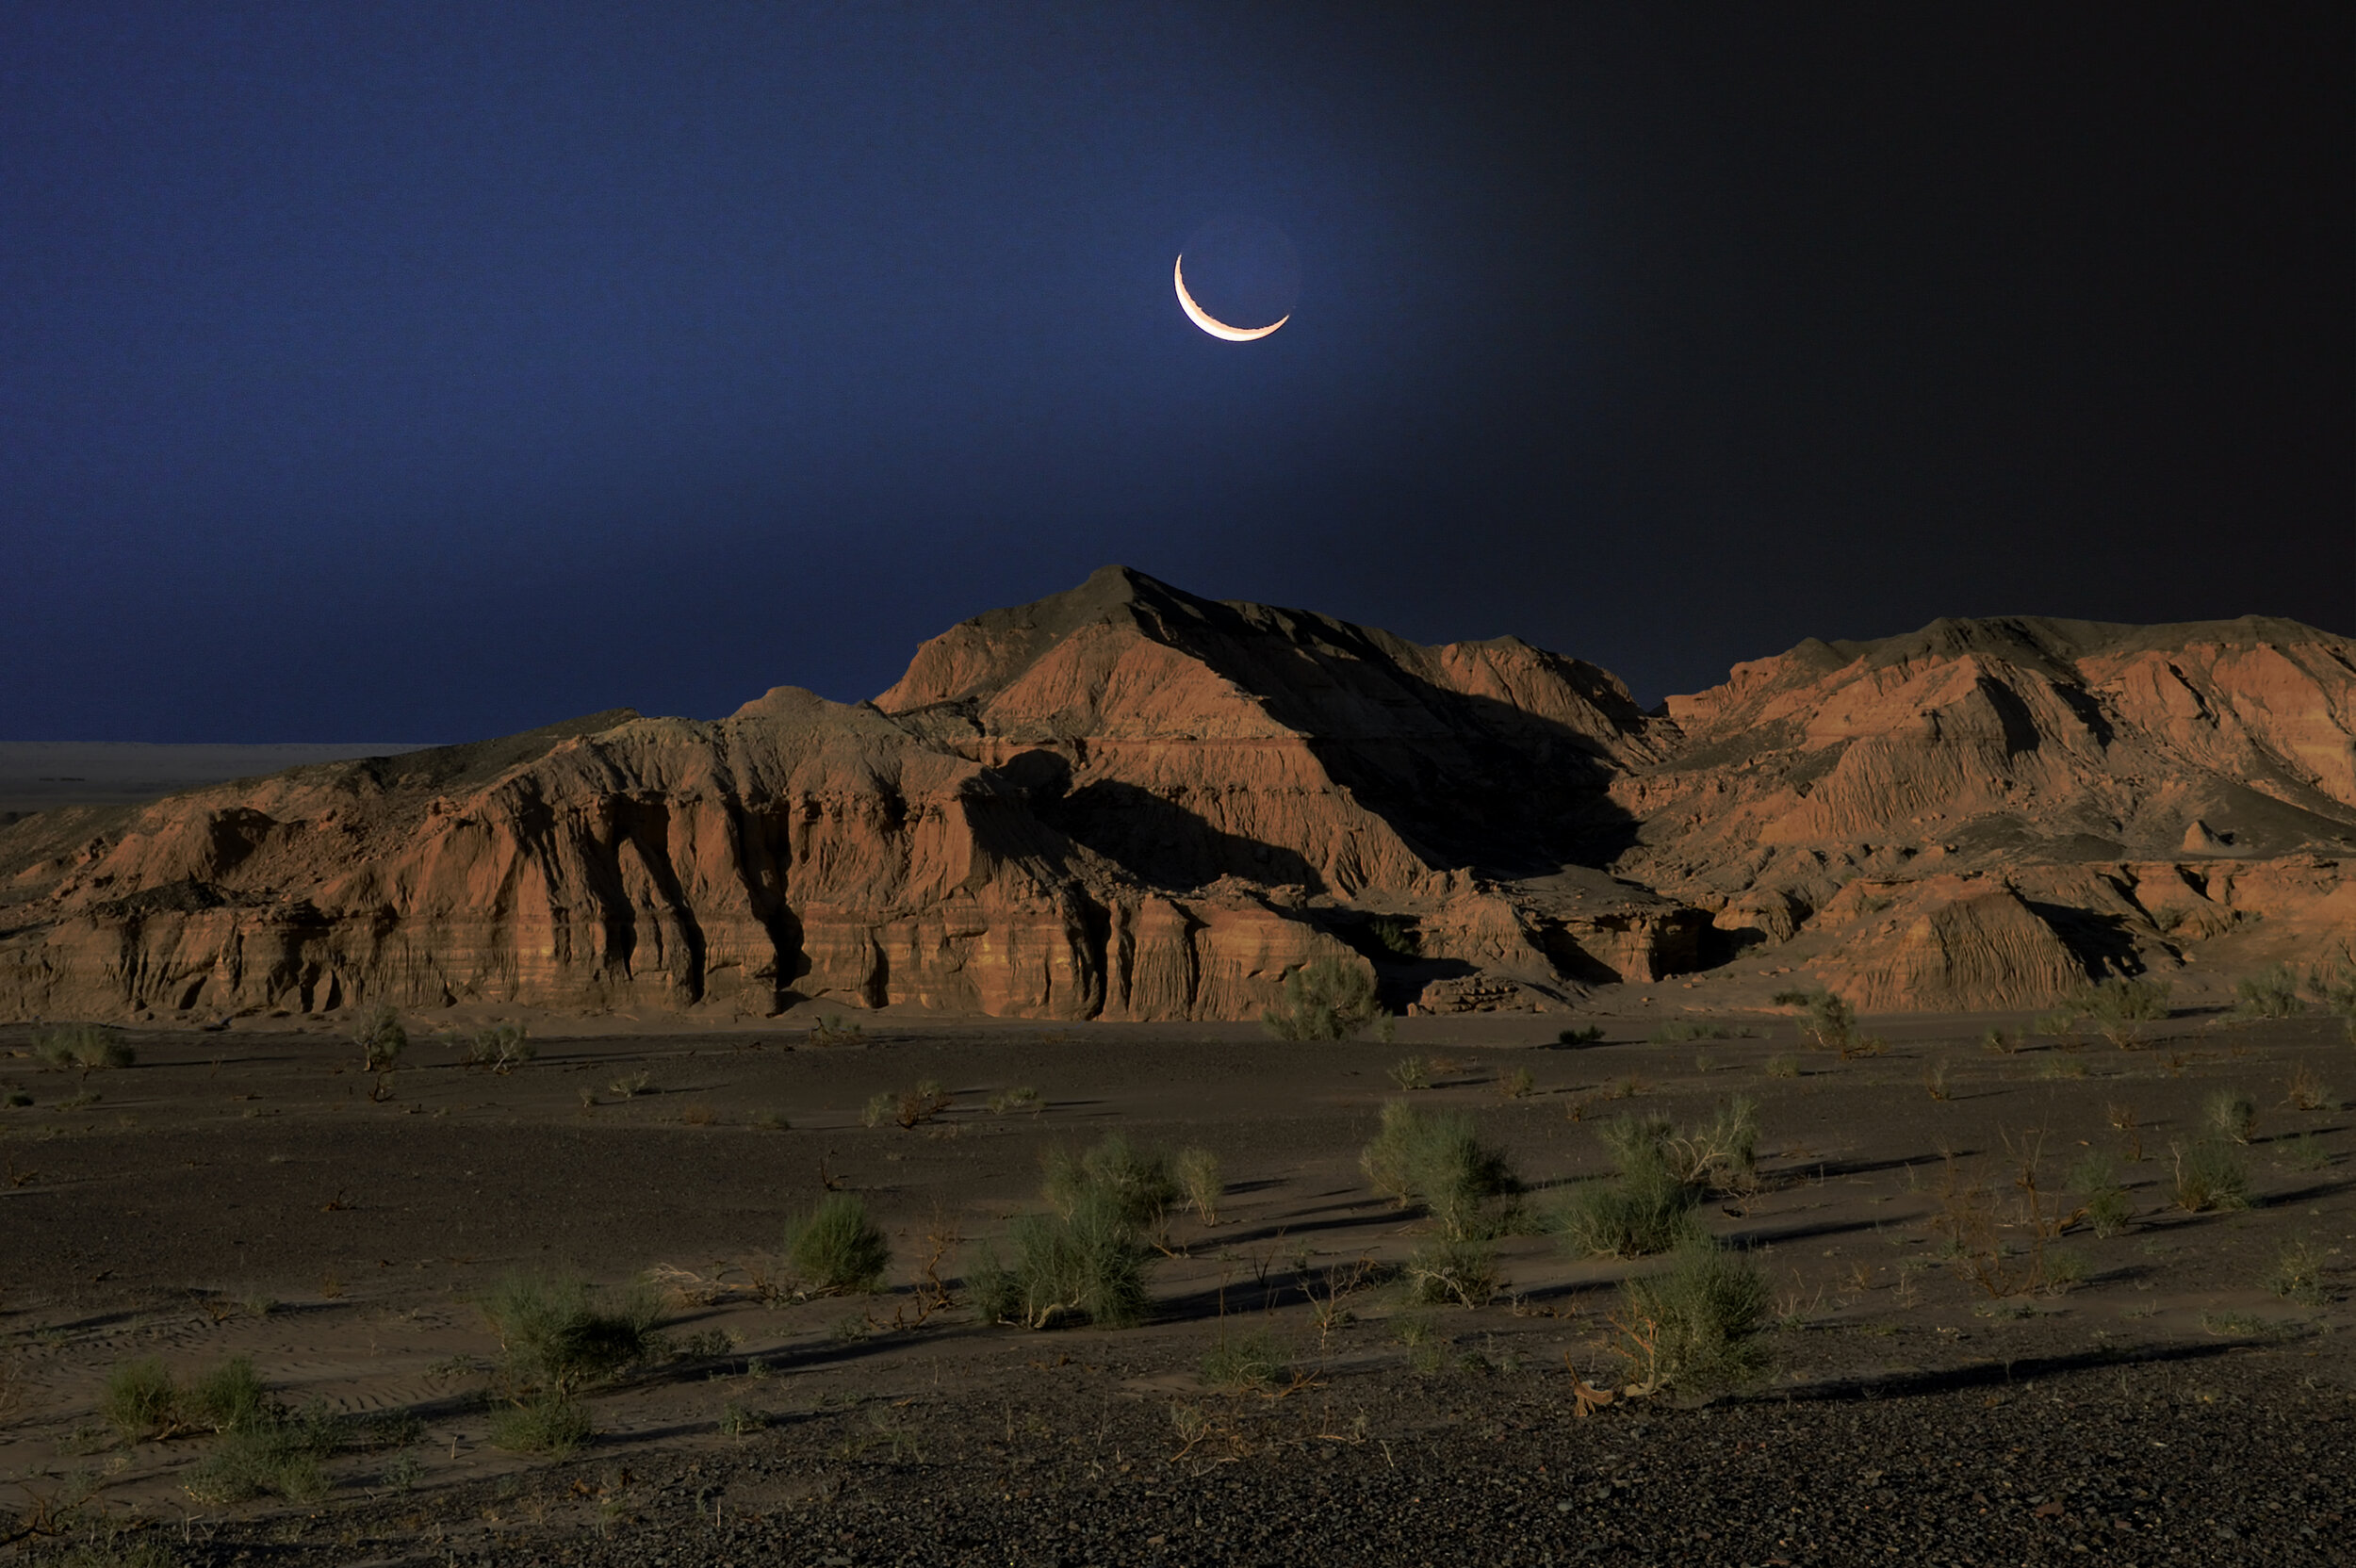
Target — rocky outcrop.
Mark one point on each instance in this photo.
(1126, 802)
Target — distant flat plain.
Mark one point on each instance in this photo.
(42, 776)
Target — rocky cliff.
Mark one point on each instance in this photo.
(1127, 802)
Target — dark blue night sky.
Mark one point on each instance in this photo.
(421, 373)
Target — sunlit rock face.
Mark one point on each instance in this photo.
(1126, 802)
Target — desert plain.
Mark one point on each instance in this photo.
(2017, 951)
(2166, 1393)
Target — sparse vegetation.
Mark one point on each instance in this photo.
(1246, 1362)
(84, 1048)
(2306, 1092)
(2104, 1201)
(2269, 994)
(1587, 1034)
(1434, 1160)
(1007, 1101)
(1137, 1184)
(1783, 1067)
(2334, 989)
(381, 1036)
(1397, 934)
(1517, 1085)
(2231, 1114)
(544, 1423)
(1201, 1183)
(1410, 1072)
(1647, 1207)
(2209, 1175)
(630, 1086)
(836, 1248)
(263, 1449)
(1675, 1034)
(831, 1029)
(1087, 1264)
(558, 1335)
(1326, 999)
(501, 1048)
(2004, 1042)
(2297, 1273)
(2123, 1008)
(2304, 1153)
(909, 1107)
(1830, 1024)
(1695, 1325)
(1453, 1270)
(1937, 1079)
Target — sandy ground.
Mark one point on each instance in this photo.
(251, 1192)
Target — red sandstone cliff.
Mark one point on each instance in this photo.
(1127, 802)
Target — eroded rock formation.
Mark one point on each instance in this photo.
(1126, 802)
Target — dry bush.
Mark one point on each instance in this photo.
(1327, 999)
(381, 1037)
(1201, 1181)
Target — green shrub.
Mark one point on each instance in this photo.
(1246, 1362)
(1589, 1034)
(557, 1335)
(2232, 1114)
(381, 1036)
(1397, 934)
(1783, 1067)
(2269, 994)
(2297, 1274)
(1697, 1325)
(269, 1453)
(1453, 1270)
(1327, 999)
(2210, 1175)
(2108, 1208)
(86, 1048)
(1664, 1173)
(1831, 1024)
(1200, 1180)
(2004, 1042)
(1410, 1072)
(1086, 1264)
(1135, 1183)
(2120, 1007)
(547, 1424)
(836, 1248)
(1434, 1160)
(501, 1048)
(141, 1400)
(2335, 989)
(1678, 1034)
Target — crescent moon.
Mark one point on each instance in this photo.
(1212, 324)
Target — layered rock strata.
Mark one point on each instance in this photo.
(1127, 802)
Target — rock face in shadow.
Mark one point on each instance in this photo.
(1126, 802)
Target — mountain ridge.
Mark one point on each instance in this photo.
(1128, 801)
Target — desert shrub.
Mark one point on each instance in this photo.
(1697, 1325)
(1644, 1210)
(1410, 1072)
(273, 1453)
(1432, 1159)
(2334, 989)
(1088, 1263)
(836, 1248)
(1517, 1085)
(501, 1048)
(2120, 1007)
(1326, 999)
(548, 1422)
(1023, 1098)
(1397, 934)
(1453, 1270)
(381, 1036)
(2095, 1180)
(1589, 1034)
(2297, 1273)
(557, 1335)
(85, 1048)
(2004, 1042)
(1677, 1034)
(2269, 994)
(2232, 1114)
(1201, 1182)
(1245, 1361)
(1830, 1024)
(2210, 1175)
(140, 1400)
(1783, 1067)
(2304, 1153)
(1135, 1183)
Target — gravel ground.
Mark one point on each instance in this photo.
(2190, 1454)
